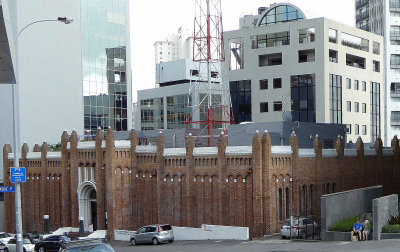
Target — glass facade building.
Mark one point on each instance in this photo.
(104, 41)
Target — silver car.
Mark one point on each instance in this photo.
(300, 228)
(154, 234)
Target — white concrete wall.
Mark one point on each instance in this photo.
(206, 232)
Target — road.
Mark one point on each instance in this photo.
(262, 245)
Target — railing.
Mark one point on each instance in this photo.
(361, 3)
(362, 15)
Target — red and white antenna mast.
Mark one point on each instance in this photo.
(209, 110)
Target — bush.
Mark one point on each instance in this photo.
(345, 225)
(391, 229)
(394, 220)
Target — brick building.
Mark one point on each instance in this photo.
(120, 185)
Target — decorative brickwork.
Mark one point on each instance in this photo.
(256, 186)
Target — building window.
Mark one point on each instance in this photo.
(333, 36)
(281, 14)
(395, 61)
(395, 90)
(355, 61)
(376, 66)
(236, 48)
(376, 48)
(328, 144)
(395, 118)
(394, 6)
(263, 84)
(356, 129)
(364, 108)
(364, 86)
(355, 42)
(306, 55)
(333, 56)
(176, 111)
(348, 127)
(241, 100)
(270, 40)
(277, 106)
(270, 59)
(277, 83)
(263, 107)
(375, 111)
(395, 35)
(356, 107)
(348, 106)
(356, 85)
(306, 35)
(348, 83)
(303, 97)
(194, 72)
(335, 98)
(364, 130)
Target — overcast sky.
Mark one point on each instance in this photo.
(154, 20)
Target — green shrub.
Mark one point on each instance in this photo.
(345, 225)
(391, 229)
(394, 220)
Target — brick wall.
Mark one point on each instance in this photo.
(255, 186)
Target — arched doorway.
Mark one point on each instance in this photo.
(88, 204)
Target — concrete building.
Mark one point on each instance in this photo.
(175, 46)
(382, 17)
(118, 185)
(165, 107)
(282, 66)
(74, 76)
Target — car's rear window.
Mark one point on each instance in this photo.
(286, 223)
(166, 227)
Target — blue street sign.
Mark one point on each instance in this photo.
(7, 189)
(18, 174)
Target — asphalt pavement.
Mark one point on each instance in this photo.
(262, 245)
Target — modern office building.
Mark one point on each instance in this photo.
(73, 76)
(281, 65)
(175, 46)
(382, 17)
(165, 107)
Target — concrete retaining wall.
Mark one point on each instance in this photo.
(338, 206)
(206, 232)
(383, 208)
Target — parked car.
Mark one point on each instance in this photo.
(153, 234)
(51, 243)
(87, 245)
(11, 246)
(300, 228)
(5, 237)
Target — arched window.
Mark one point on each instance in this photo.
(328, 188)
(281, 14)
(287, 202)
(333, 187)
(311, 199)
(303, 200)
(280, 196)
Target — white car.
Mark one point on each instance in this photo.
(5, 237)
(11, 246)
(300, 228)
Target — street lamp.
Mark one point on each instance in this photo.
(16, 129)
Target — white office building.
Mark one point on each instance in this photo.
(74, 76)
(281, 65)
(175, 46)
(383, 17)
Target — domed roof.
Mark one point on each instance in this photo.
(280, 13)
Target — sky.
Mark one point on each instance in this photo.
(151, 21)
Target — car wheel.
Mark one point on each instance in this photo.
(42, 249)
(6, 250)
(133, 242)
(24, 250)
(170, 241)
(155, 241)
(283, 237)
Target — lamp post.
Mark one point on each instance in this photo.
(16, 129)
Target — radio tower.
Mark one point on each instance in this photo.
(209, 110)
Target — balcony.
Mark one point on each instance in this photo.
(362, 16)
(361, 3)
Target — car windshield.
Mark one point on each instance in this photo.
(27, 241)
(66, 238)
(166, 227)
(89, 248)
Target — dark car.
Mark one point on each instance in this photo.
(87, 245)
(51, 243)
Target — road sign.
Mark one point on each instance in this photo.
(18, 174)
(7, 189)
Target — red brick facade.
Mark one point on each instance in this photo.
(256, 186)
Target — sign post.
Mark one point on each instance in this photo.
(17, 176)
